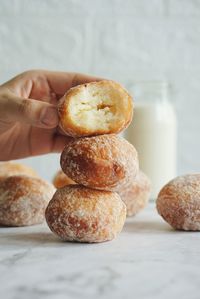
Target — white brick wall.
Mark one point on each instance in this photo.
(120, 39)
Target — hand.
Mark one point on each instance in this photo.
(28, 114)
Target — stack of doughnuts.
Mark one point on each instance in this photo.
(23, 195)
(100, 176)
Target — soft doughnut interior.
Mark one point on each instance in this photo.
(97, 108)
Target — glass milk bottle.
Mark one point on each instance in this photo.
(153, 132)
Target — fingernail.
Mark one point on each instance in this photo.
(49, 116)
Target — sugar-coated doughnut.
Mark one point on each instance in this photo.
(104, 162)
(23, 200)
(61, 179)
(77, 213)
(179, 202)
(95, 108)
(11, 168)
(136, 194)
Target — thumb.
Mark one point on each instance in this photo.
(29, 111)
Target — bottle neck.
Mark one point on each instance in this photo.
(147, 93)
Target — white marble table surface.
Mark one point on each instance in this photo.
(148, 260)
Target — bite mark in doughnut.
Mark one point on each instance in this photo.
(95, 108)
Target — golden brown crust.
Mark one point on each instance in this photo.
(23, 200)
(77, 213)
(136, 195)
(11, 168)
(179, 202)
(121, 108)
(105, 162)
(61, 179)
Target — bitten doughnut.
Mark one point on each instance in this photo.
(77, 213)
(61, 179)
(137, 194)
(104, 162)
(11, 168)
(95, 108)
(179, 202)
(23, 200)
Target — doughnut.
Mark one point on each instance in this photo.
(104, 162)
(23, 200)
(136, 195)
(11, 168)
(178, 202)
(61, 179)
(77, 213)
(95, 108)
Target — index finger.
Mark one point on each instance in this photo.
(60, 82)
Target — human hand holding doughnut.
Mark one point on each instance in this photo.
(28, 112)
